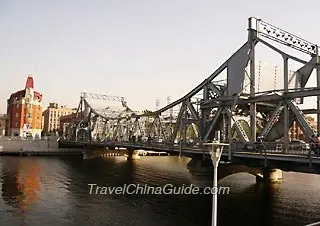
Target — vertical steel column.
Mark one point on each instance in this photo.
(180, 132)
(185, 124)
(285, 110)
(203, 117)
(253, 119)
(318, 85)
(229, 139)
(81, 104)
(223, 127)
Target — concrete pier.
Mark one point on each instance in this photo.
(133, 154)
(270, 175)
(93, 154)
(201, 171)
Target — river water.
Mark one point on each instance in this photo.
(54, 191)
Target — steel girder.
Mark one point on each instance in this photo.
(219, 101)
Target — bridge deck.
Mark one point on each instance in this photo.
(302, 157)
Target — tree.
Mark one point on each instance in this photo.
(246, 127)
(147, 112)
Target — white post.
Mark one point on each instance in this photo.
(215, 156)
(216, 152)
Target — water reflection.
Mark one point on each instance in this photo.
(21, 183)
(54, 191)
(267, 194)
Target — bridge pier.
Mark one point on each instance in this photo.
(201, 171)
(270, 175)
(92, 154)
(133, 154)
(85, 155)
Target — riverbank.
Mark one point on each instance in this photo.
(44, 147)
(43, 152)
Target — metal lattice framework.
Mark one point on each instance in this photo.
(274, 33)
(224, 106)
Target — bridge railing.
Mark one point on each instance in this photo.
(236, 146)
(272, 148)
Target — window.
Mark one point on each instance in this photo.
(29, 115)
(17, 115)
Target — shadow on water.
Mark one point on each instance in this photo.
(250, 206)
(114, 171)
(10, 190)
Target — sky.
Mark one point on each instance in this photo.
(141, 50)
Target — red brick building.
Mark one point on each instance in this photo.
(25, 111)
(296, 133)
(65, 121)
(4, 124)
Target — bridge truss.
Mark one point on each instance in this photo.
(224, 105)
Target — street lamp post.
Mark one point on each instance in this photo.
(216, 151)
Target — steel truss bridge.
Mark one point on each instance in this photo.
(218, 105)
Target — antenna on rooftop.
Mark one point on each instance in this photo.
(259, 75)
(275, 77)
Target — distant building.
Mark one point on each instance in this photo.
(296, 133)
(52, 115)
(25, 110)
(4, 125)
(65, 122)
(42, 122)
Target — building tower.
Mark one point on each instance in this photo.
(25, 111)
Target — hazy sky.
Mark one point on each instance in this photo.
(142, 50)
